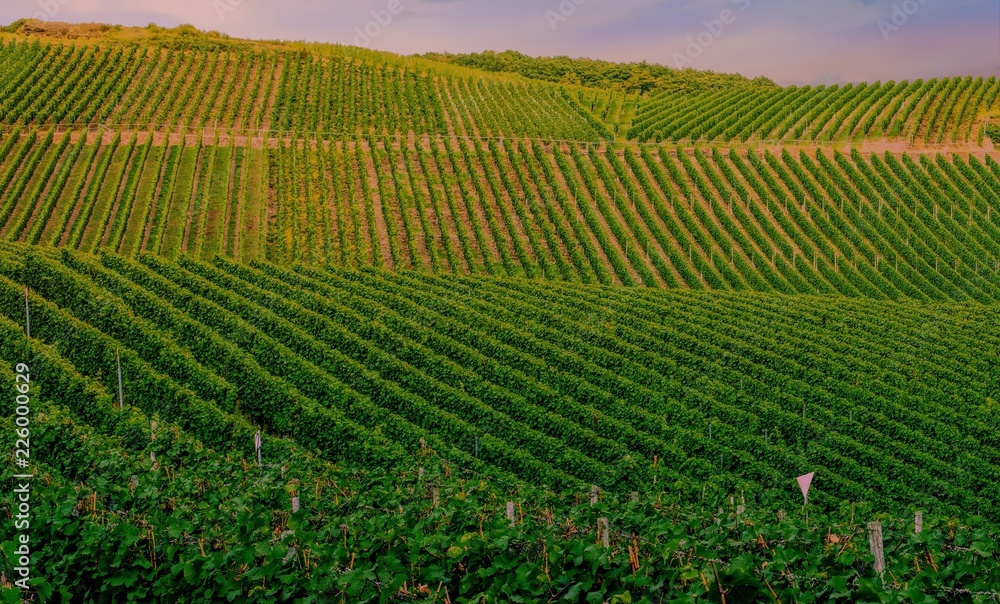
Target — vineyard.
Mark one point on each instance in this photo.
(880, 226)
(932, 112)
(504, 333)
(142, 87)
(554, 383)
(132, 192)
(448, 537)
(683, 397)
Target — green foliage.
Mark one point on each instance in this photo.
(993, 133)
(196, 525)
(504, 390)
(639, 78)
(935, 112)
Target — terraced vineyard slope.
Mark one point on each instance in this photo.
(336, 93)
(933, 111)
(559, 385)
(881, 226)
(133, 192)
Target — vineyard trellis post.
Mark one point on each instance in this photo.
(604, 531)
(510, 513)
(877, 546)
(257, 445)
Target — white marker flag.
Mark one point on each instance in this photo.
(804, 482)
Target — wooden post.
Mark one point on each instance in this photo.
(604, 532)
(918, 522)
(152, 430)
(510, 512)
(420, 473)
(295, 504)
(875, 543)
(781, 515)
(594, 494)
(635, 496)
(435, 496)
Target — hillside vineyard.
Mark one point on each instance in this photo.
(312, 323)
(823, 221)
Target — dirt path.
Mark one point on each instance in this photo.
(391, 206)
(234, 206)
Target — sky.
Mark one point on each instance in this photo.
(789, 41)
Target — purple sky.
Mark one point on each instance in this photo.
(790, 41)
